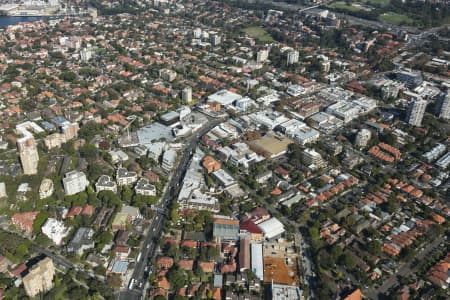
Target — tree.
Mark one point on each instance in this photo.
(174, 216)
(172, 250)
(94, 172)
(198, 271)
(39, 221)
(89, 130)
(374, 247)
(89, 151)
(347, 261)
(127, 194)
(109, 198)
(176, 277)
(68, 76)
(104, 237)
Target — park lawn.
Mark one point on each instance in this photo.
(258, 33)
(343, 6)
(395, 18)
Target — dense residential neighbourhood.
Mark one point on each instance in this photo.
(201, 149)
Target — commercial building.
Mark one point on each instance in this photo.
(170, 118)
(55, 230)
(74, 182)
(224, 98)
(271, 145)
(193, 191)
(268, 118)
(244, 253)
(285, 292)
(415, 112)
(224, 179)
(168, 160)
(39, 278)
(152, 133)
(300, 132)
(295, 90)
(292, 57)
(104, 183)
(409, 77)
(226, 229)
(344, 110)
(325, 122)
(272, 228)
(81, 241)
(155, 150)
(257, 260)
(46, 188)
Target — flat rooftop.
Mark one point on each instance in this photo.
(154, 132)
(276, 268)
(272, 144)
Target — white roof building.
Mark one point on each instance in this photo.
(74, 182)
(269, 118)
(104, 183)
(143, 187)
(118, 156)
(224, 178)
(295, 90)
(272, 228)
(224, 97)
(155, 150)
(192, 195)
(444, 161)
(285, 292)
(169, 158)
(46, 188)
(55, 230)
(125, 177)
(257, 260)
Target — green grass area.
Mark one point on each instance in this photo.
(258, 33)
(343, 6)
(395, 18)
(378, 2)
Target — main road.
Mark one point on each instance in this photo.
(148, 250)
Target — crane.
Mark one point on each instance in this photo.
(131, 119)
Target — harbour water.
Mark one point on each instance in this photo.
(7, 20)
